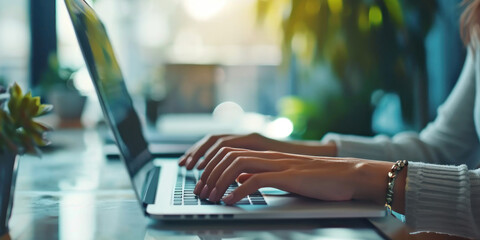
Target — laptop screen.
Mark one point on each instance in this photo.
(111, 89)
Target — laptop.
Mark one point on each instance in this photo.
(163, 189)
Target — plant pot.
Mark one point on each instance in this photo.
(8, 176)
(67, 104)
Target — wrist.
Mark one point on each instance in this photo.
(371, 182)
(311, 148)
(398, 204)
(329, 149)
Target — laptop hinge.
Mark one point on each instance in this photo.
(149, 190)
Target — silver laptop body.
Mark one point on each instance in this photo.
(163, 189)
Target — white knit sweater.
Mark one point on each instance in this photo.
(443, 179)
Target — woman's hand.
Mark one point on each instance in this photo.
(333, 179)
(209, 146)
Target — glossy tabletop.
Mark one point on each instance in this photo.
(74, 192)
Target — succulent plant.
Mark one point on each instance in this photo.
(19, 132)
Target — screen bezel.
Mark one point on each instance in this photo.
(142, 161)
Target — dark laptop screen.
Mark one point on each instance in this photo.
(110, 86)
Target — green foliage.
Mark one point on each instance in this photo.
(19, 132)
(368, 45)
(300, 112)
(56, 76)
(348, 32)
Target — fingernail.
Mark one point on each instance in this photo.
(213, 195)
(228, 199)
(190, 164)
(188, 161)
(204, 193)
(182, 161)
(199, 187)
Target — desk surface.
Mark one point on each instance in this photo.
(73, 192)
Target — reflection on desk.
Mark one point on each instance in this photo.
(73, 192)
(278, 229)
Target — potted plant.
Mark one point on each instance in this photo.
(57, 84)
(19, 134)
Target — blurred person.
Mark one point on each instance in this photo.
(438, 190)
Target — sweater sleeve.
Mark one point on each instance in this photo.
(443, 199)
(450, 139)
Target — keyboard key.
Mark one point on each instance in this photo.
(257, 199)
(186, 182)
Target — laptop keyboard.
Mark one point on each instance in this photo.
(186, 181)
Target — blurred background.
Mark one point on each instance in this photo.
(307, 66)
